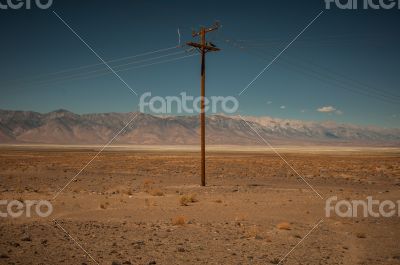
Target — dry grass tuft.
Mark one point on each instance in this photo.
(148, 187)
(155, 192)
(241, 217)
(104, 205)
(147, 183)
(179, 220)
(185, 200)
(275, 261)
(253, 232)
(284, 226)
(361, 235)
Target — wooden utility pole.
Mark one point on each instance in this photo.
(203, 47)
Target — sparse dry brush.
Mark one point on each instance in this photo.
(361, 235)
(147, 183)
(240, 217)
(155, 192)
(275, 261)
(185, 200)
(253, 232)
(148, 187)
(179, 220)
(284, 226)
(104, 205)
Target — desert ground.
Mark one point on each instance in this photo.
(145, 206)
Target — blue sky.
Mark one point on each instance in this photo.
(347, 59)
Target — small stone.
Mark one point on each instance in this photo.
(115, 263)
(181, 249)
(26, 238)
(152, 262)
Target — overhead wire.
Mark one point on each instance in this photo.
(330, 75)
(120, 70)
(381, 91)
(115, 67)
(42, 76)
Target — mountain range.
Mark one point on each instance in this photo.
(65, 127)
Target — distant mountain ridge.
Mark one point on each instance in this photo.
(65, 127)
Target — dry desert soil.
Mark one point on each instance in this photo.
(131, 206)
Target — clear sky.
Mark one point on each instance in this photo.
(347, 59)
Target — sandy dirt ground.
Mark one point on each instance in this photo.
(146, 207)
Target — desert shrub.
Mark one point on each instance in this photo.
(253, 232)
(185, 200)
(147, 183)
(283, 226)
(361, 235)
(155, 192)
(179, 220)
(104, 205)
(275, 261)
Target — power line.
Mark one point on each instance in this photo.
(330, 77)
(95, 53)
(104, 70)
(121, 70)
(94, 65)
(280, 53)
(380, 91)
(337, 82)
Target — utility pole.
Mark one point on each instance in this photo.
(203, 47)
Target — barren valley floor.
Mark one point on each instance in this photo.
(146, 207)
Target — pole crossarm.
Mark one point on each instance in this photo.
(203, 47)
(206, 30)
